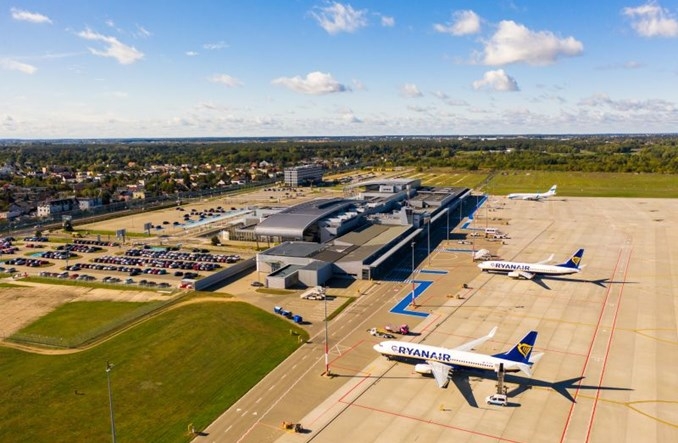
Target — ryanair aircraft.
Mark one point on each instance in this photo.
(440, 361)
(529, 270)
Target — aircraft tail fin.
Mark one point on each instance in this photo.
(552, 191)
(521, 352)
(574, 261)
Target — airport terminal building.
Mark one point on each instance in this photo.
(361, 237)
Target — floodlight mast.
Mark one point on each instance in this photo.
(109, 366)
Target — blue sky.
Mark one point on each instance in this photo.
(222, 68)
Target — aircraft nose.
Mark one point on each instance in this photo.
(378, 347)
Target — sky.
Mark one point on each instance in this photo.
(261, 68)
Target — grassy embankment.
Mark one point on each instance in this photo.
(184, 366)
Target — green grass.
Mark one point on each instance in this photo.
(572, 184)
(185, 366)
(73, 319)
(583, 184)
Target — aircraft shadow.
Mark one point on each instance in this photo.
(561, 387)
(602, 282)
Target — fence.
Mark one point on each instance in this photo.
(91, 335)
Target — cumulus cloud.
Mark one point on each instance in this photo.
(514, 43)
(13, 65)
(123, 53)
(226, 80)
(191, 53)
(410, 90)
(315, 83)
(464, 23)
(497, 81)
(337, 17)
(349, 116)
(26, 16)
(651, 20)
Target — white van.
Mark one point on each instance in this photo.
(497, 400)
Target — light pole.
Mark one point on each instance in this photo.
(448, 223)
(414, 304)
(109, 366)
(428, 240)
(327, 349)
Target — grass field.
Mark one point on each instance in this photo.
(184, 366)
(573, 184)
(77, 318)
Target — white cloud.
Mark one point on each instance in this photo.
(141, 32)
(349, 116)
(215, 46)
(514, 43)
(315, 83)
(358, 85)
(387, 22)
(497, 81)
(410, 90)
(124, 54)
(651, 20)
(448, 100)
(643, 106)
(191, 53)
(13, 65)
(26, 16)
(226, 80)
(464, 23)
(338, 17)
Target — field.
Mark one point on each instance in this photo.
(77, 318)
(184, 366)
(573, 184)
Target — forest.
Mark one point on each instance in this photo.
(33, 171)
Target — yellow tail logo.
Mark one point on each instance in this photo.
(524, 349)
(576, 260)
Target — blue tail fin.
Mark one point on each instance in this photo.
(521, 351)
(574, 261)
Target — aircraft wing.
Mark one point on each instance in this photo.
(543, 262)
(441, 372)
(477, 342)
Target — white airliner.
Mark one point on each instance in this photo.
(440, 361)
(529, 270)
(534, 196)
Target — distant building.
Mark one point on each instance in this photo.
(303, 175)
(57, 206)
(85, 204)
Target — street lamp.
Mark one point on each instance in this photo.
(327, 349)
(448, 223)
(428, 239)
(414, 304)
(109, 366)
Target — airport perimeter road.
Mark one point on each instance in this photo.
(298, 385)
(608, 335)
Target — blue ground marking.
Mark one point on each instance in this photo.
(432, 271)
(402, 306)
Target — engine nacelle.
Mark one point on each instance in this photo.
(423, 369)
(514, 274)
